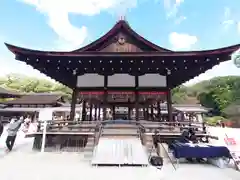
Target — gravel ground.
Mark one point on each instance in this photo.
(23, 164)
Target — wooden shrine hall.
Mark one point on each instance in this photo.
(122, 69)
(8, 94)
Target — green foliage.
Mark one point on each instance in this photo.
(25, 84)
(214, 120)
(221, 94)
(179, 94)
(218, 93)
(233, 110)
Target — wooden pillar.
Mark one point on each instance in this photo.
(84, 110)
(144, 113)
(152, 112)
(113, 112)
(91, 109)
(73, 103)
(95, 112)
(99, 112)
(104, 110)
(147, 113)
(159, 111)
(136, 98)
(105, 98)
(129, 113)
(169, 105)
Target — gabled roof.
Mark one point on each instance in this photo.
(121, 26)
(36, 99)
(191, 108)
(8, 94)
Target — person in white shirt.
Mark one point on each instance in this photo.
(12, 130)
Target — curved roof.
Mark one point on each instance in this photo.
(121, 25)
(36, 99)
(103, 57)
(93, 49)
(28, 52)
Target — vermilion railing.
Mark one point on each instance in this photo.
(123, 92)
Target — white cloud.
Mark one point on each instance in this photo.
(171, 7)
(9, 65)
(182, 41)
(180, 19)
(230, 20)
(227, 19)
(238, 25)
(58, 12)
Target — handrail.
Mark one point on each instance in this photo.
(168, 156)
(150, 125)
(99, 134)
(96, 139)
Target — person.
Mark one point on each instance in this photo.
(192, 136)
(184, 138)
(27, 122)
(194, 140)
(1, 128)
(222, 124)
(12, 132)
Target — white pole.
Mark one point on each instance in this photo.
(44, 135)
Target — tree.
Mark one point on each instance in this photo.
(179, 95)
(25, 84)
(220, 93)
(217, 93)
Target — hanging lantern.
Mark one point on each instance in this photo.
(235, 57)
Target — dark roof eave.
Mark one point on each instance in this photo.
(29, 52)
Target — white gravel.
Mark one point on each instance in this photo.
(23, 164)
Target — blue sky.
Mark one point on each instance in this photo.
(70, 24)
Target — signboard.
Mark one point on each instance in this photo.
(121, 96)
(230, 142)
(45, 114)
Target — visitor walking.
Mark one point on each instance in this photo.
(12, 130)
